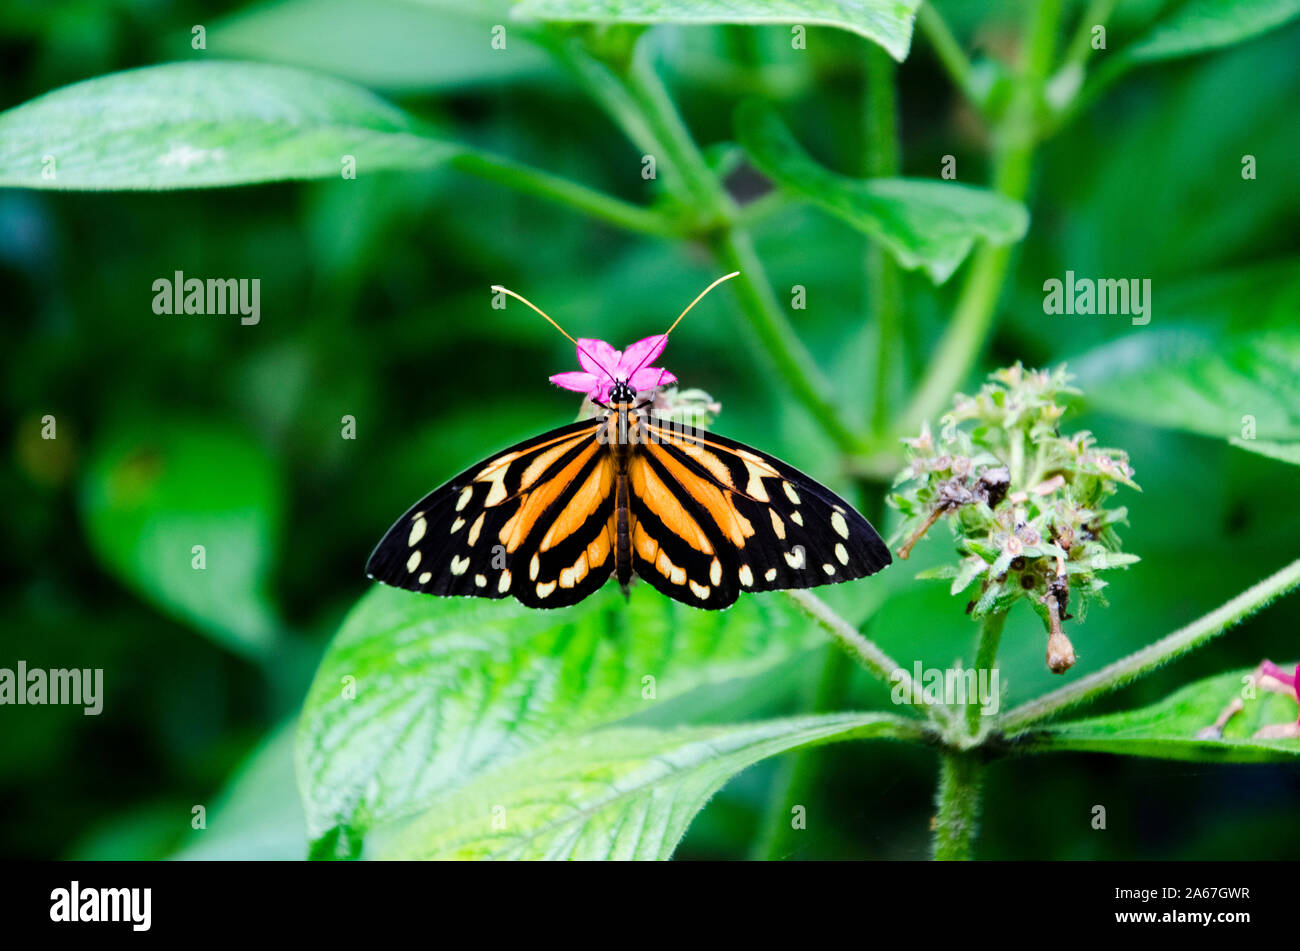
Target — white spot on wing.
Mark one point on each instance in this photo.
(746, 576)
(417, 530)
(796, 558)
(841, 553)
(841, 527)
(414, 561)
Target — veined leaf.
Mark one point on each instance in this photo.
(1201, 25)
(1168, 729)
(886, 22)
(621, 793)
(155, 491)
(417, 695)
(194, 125)
(923, 223)
(1184, 378)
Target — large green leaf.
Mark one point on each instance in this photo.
(923, 223)
(1188, 378)
(446, 689)
(154, 492)
(193, 125)
(389, 44)
(887, 22)
(621, 793)
(1169, 729)
(1201, 25)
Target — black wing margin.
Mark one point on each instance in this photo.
(477, 534)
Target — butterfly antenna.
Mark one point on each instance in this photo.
(546, 317)
(699, 297)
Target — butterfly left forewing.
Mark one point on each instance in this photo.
(783, 529)
(464, 537)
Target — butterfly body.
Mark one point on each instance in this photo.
(699, 517)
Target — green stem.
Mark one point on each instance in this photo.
(782, 346)
(985, 657)
(867, 653)
(735, 250)
(961, 780)
(1014, 137)
(1141, 662)
(1080, 47)
(948, 50)
(533, 181)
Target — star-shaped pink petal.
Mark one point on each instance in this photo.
(603, 366)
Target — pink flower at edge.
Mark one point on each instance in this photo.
(602, 366)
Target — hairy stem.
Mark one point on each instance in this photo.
(1143, 661)
(985, 657)
(961, 780)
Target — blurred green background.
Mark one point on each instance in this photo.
(374, 304)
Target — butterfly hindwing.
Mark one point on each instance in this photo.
(772, 526)
(677, 544)
(477, 534)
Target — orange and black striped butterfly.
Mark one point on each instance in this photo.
(700, 517)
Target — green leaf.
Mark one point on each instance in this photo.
(153, 492)
(1189, 378)
(621, 793)
(923, 223)
(1201, 25)
(1283, 451)
(408, 46)
(446, 689)
(1168, 729)
(887, 22)
(195, 125)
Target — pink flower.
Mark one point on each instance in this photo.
(603, 366)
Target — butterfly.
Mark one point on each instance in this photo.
(699, 517)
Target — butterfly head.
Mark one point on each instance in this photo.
(621, 392)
